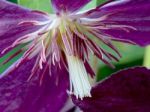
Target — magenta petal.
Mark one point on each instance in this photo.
(18, 95)
(10, 22)
(9, 37)
(68, 5)
(125, 91)
(133, 13)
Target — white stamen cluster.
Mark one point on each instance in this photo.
(78, 78)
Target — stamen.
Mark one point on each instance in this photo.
(43, 56)
(78, 77)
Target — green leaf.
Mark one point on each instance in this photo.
(3, 67)
(93, 4)
(14, 1)
(130, 57)
(90, 5)
(105, 71)
(42, 5)
(147, 57)
(100, 1)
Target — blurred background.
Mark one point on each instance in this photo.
(131, 55)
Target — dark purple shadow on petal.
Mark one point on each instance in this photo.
(125, 91)
(133, 13)
(68, 5)
(18, 95)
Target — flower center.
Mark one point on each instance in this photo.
(57, 41)
(70, 39)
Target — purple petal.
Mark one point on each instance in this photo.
(125, 91)
(132, 13)
(10, 19)
(68, 5)
(18, 95)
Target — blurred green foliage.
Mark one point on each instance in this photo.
(3, 67)
(14, 1)
(105, 71)
(129, 58)
(43, 5)
(90, 5)
(100, 1)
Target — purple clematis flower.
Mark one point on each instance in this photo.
(61, 43)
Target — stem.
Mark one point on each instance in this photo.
(147, 57)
